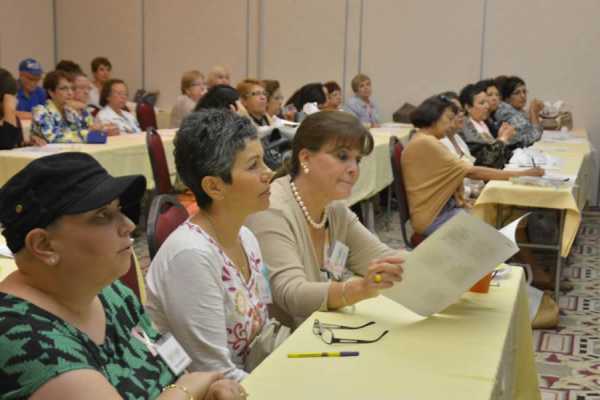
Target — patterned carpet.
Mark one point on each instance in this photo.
(567, 358)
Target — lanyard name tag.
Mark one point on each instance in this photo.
(336, 262)
(169, 349)
(264, 290)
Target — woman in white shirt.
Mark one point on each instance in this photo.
(113, 99)
(207, 284)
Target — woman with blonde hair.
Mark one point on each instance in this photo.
(192, 90)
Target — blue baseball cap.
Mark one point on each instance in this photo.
(31, 66)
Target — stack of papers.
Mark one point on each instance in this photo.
(531, 157)
(561, 136)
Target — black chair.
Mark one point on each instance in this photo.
(396, 150)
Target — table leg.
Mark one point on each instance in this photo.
(368, 212)
(558, 272)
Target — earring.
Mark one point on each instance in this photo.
(305, 168)
(52, 260)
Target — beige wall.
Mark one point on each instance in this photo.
(191, 34)
(411, 53)
(302, 41)
(109, 28)
(553, 46)
(26, 30)
(409, 50)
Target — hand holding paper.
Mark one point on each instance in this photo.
(449, 262)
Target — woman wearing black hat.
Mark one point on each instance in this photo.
(68, 328)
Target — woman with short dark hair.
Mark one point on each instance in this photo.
(113, 99)
(221, 97)
(488, 151)
(57, 121)
(206, 284)
(433, 177)
(493, 97)
(309, 93)
(527, 124)
(334, 98)
(101, 71)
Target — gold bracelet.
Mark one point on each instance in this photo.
(344, 300)
(180, 387)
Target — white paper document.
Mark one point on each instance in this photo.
(561, 136)
(449, 262)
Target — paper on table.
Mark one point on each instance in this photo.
(448, 263)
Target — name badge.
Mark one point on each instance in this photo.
(264, 289)
(336, 262)
(169, 349)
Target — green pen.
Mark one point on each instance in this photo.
(325, 354)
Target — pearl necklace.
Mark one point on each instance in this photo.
(311, 221)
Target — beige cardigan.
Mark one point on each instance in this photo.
(297, 284)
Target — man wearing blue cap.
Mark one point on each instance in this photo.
(29, 94)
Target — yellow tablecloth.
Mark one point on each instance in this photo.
(121, 155)
(375, 169)
(576, 158)
(479, 348)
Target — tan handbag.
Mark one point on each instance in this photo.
(555, 123)
(270, 337)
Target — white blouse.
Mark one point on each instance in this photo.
(197, 293)
(127, 122)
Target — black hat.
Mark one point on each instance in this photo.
(62, 184)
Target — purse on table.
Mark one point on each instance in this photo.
(270, 337)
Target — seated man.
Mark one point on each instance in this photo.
(29, 93)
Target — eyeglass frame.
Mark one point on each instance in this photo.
(319, 327)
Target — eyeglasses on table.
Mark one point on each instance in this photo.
(325, 332)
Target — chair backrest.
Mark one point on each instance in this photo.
(166, 214)
(146, 116)
(134, 279)
(158, 161)
(396, 150)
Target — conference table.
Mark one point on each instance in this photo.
(498, 199)
(478, 348)
(121, 155)
(376, 170)
(127, 154)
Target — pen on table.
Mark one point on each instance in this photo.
(325, 354)
(533, 162)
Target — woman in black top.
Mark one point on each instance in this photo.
(11, 134)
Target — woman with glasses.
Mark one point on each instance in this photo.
(192, 90)
(488, 151)
(57, 121)
(254, 99)
(113, 99)
(433, 176)
(526, 122)
(311, 242)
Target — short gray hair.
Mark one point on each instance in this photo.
(206, 145)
